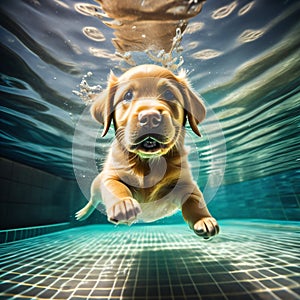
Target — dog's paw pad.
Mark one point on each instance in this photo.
(206, 227)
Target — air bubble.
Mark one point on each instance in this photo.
(166, 58)
(86, 92)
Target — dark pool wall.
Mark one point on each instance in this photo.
(30, 197)
(275, 197)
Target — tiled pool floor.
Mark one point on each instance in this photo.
(246, 261)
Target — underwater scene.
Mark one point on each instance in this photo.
(150, 149)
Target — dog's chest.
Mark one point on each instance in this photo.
(153, 180)
(157, 197)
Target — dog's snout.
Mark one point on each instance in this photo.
(149, 118)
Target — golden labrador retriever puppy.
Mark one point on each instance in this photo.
(146, 175)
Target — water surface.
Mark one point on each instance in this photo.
(241, 56)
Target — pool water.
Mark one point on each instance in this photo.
(243, 58)
(248, 260)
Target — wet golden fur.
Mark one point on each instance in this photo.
(146, 175)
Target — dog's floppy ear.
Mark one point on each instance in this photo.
(195, 110)
(193, 105)
(102, 108)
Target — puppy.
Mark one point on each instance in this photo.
(146, 175)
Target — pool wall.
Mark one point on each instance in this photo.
(33, 197)
(34, 202)
(275, 197)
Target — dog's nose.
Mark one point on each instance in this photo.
(149, 118)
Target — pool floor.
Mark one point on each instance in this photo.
(248, 260)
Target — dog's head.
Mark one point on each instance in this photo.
(149, 106)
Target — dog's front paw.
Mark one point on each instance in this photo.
(124, 211)
(206, 227)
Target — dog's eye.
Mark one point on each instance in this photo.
(168, 95)
(128, 96)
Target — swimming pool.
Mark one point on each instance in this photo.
(248, 260)
(242, 57)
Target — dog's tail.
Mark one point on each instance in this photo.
(85, 212)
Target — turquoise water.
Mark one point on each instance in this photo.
(243, 57)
